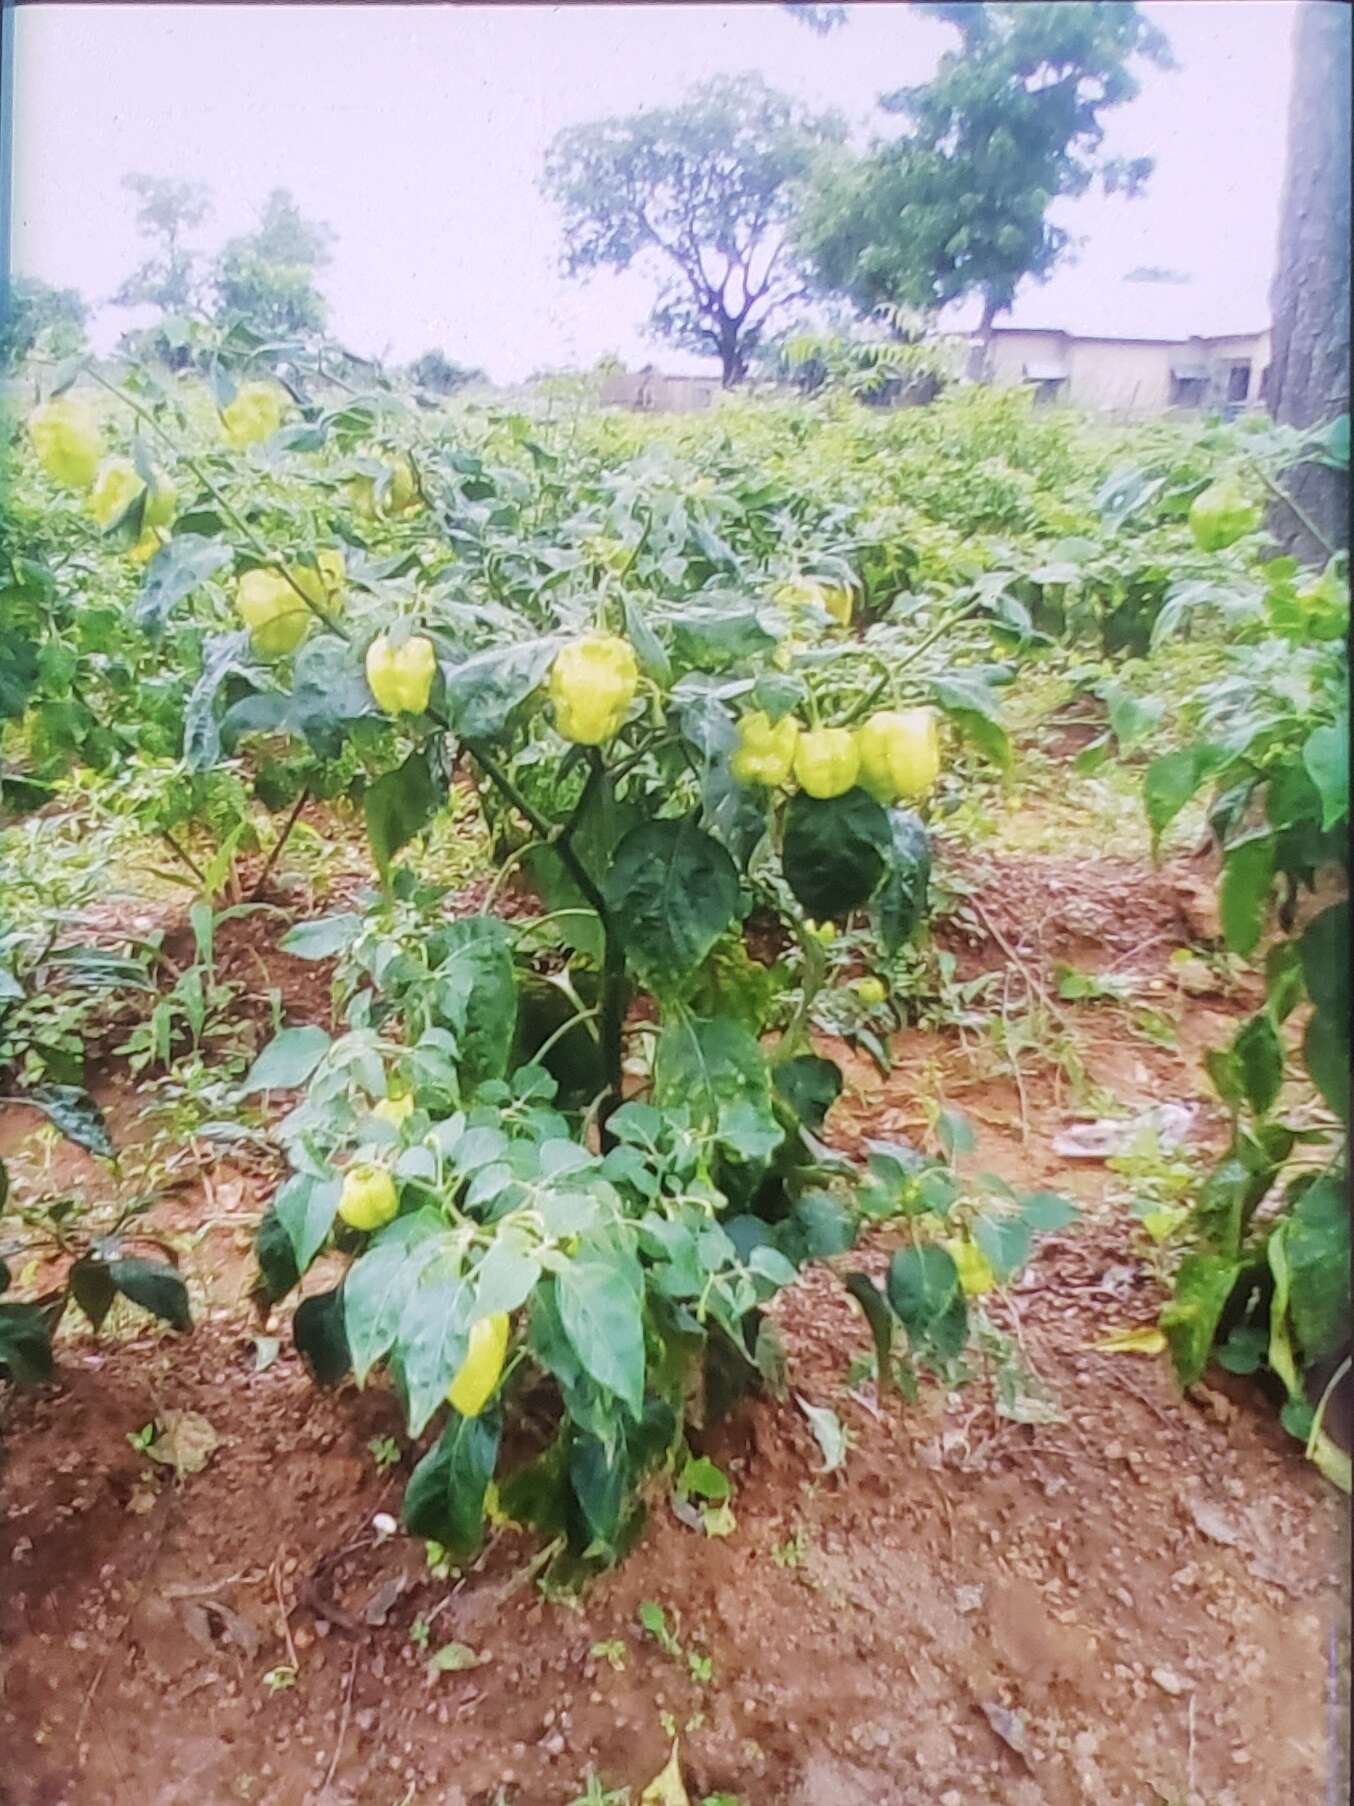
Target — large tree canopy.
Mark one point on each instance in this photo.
(705, 192)
(167, 211)
(267, 277)
(1010, 123)
(36, 313)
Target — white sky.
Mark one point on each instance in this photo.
(418, 133)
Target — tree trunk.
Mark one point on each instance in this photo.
(1309, 365)
(980, 352)
(734, 364)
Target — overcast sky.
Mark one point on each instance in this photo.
(418, 133)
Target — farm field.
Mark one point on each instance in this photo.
(775, 985)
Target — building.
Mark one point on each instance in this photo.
(1138, 341)
(648, 391)
(1132, 375)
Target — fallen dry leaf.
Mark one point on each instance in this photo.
(210, 1623)
(184, 1441)
(667, 1787)
(1147, 1340)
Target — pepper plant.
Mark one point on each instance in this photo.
(1264, 1283)
(555, 1166)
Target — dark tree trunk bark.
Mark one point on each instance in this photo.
(734, 364)
(980, 352)
(1309, 365)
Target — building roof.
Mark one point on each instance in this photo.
(1101, 303)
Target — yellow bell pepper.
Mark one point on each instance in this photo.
(401, 492)
(255, 414)
(870, 990)
(899, 754)
(66, 439)
(395, 1111)
(478, 1375)
(401, 677)
(766, 749)
(117, 486)
(277, 618)
(833, 598)
(592, 684)
(368, 1199)
(826, 761)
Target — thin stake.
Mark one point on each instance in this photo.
(343, 1722)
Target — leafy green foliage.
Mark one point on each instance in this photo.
(1010, 122)
(1270, 735)
(704, 190)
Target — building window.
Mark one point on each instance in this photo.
(1048, 382)
(1239, 381)
(1188, 388)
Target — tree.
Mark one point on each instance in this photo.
(169, 277)
(442, 375)
(820, 19)
(1010, 123)
(1309, 367)
(39, 314)
(704, 192)
(267, 277)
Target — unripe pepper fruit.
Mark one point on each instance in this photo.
(833, 598)
(117, 485)
(826, 761)
(592, 684)
(254, 414)
(368, 1199)
(394, 1111)
(766, 749)
(975, 1270)
(66, 440)
(478, 1375)
(899, 754)
(277, 618)
(401, 677)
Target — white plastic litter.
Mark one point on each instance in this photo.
(1113, 1135)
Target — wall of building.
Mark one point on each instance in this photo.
(1124, 376)
(1131, 376)
(648, 391)
(1010, 352)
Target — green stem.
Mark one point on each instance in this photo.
(924, 644)
(504, 872)
(184, 857)
(281, 842)
(629, 564)
(815, 972)
(563, 1029)
(525, 926)
(611, 1027)
(577, 870)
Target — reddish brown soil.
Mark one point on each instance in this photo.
(1143, 1597)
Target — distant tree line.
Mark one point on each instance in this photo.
(268, 280)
